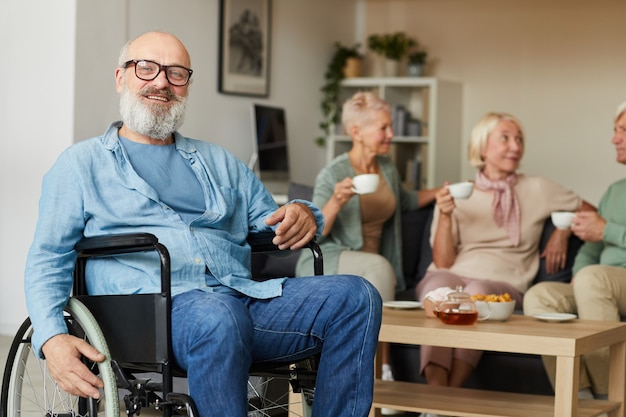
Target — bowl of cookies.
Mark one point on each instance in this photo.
(498, 307)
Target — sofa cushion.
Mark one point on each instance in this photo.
(299, 191)
(417, 253)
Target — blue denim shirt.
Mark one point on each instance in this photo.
(93, 190)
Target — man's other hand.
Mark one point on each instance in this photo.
(588, 226)
(63, 355)
(297, 226)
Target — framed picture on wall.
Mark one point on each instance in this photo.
(244, 50)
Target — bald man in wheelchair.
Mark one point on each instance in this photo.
(142, 175)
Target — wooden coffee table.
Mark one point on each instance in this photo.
(567, 341)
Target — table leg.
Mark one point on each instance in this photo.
(378, 373)
(566, 386)
(617, 377)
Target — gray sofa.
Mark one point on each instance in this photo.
(496, 371)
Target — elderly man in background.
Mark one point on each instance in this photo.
(598, 288)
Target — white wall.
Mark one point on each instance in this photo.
(36, 115)
(558, 65)
(58, 70)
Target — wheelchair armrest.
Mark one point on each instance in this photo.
(107, 245)
(116, 244)
(262, 242)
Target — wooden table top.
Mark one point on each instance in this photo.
(519, 334)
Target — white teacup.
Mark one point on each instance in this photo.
(461, 190)
(365, 183)
(562, 219)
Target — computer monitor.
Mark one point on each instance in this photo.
(270, 157)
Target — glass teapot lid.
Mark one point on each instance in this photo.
(459, 296)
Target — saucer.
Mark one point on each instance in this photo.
(403, 305)
(555, 317)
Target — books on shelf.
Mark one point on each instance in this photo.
(402, 122)
(399, 115)
(413, 174)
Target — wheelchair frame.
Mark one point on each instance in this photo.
(147, 318)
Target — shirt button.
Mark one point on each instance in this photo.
(197, 260)
(191, 229)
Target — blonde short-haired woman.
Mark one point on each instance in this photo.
(488, 243)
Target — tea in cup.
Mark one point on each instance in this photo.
(461, 190)
(365, 183)
(562, 219)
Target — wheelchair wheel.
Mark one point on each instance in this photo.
(290, 404)
(282, 395)
(28, 390)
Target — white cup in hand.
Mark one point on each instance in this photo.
(562, 219)
(461, 190)
(365, 183)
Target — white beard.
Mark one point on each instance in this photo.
(151, 121)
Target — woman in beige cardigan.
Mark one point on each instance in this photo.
(488, 243)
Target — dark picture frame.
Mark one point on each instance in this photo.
(244, 49)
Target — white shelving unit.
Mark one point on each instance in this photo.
(437, 105)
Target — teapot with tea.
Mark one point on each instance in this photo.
(459, 308)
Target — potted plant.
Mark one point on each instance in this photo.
(352, 59)
(338, 68)
(392, 46)
(415, 63)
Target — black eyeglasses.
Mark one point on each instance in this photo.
(148, 70)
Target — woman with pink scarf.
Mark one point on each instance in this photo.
(488, 243)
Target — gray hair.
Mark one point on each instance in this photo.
(358, 108)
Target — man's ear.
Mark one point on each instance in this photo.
(119, 79)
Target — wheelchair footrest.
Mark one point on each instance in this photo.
(178, 401)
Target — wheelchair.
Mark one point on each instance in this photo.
(133, 332)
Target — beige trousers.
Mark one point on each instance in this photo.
(373, 267)
(598, 292)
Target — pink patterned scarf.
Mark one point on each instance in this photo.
(506, 211)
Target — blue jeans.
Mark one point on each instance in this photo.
(216, 337)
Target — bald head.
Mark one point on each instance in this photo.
(161, 47)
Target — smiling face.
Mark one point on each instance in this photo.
(503, 151)
(619, 138)
(374, 133)
(152, 110)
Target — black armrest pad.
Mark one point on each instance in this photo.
(262, 241)
(121, 243)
